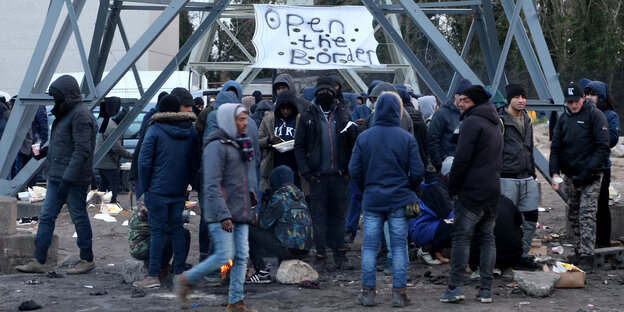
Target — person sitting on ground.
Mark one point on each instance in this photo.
(430, 230)
(139, 239)
(284, 225)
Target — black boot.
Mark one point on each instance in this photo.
(341, 261)
(367, 296)
(399, 297)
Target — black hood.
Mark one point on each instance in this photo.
(286, 98)
(66, 93)
(122, 114)
(486, 110)
(281, 176)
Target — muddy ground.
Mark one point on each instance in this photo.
(338, 288)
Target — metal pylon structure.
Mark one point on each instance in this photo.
(96, 85)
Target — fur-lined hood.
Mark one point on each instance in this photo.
(176, 124)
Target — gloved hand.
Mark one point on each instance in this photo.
(63, 189)
(43, 152)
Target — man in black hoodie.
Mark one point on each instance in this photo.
(69, 169)
(323, 142)
(474, 183)
(580, 150)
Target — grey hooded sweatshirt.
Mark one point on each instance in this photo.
(226, 186)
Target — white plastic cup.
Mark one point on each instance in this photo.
(558, 181)
(558, 250)
(36, 148)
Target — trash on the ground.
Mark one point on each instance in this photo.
(606, 282)
(29, 306)
(35, 194)
(512, 285)
(75, 235)
(105, 217)
(189, 204)
(111, 264)
(568, 245)
(614, 195)
(96, 197)
(111, 209)
(538, 251)
(98, 293)
(53, 274)
(589, 305)
(558, 250)
(195, 305)
(309, 284)
(34, 281)
(571, 276)
(544, 209)
(524, 302)
(88, 286)
(125, 223)
(125, 166)
(536, 242)
(138, 293)
(193, 213)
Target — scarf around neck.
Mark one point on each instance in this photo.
(245, 146)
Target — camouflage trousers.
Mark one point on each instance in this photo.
(582, 207)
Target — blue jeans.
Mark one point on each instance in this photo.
(227, 246)
(467, 223)
(373, 229)
(165, 218)
(77, 206)
(355, 209)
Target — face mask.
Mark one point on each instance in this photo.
(325, 100)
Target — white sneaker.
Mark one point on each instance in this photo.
(426, 257)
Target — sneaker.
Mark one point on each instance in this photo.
(260, 277)
(82, 267)
(426, 257)
(33, 266)
(452, 295)
(349, 237)
(148, 282)
(384, 265)
(388, 271)
(484, 296)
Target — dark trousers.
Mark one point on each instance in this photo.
(442, 237)
(168, 249)
(328, 205)
(109, 181)
(355, 209)
(260, 240)
(603, 215)
(165, 219)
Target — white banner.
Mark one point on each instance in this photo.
(314, 38)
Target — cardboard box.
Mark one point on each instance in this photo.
(538, 251)
(570, 279)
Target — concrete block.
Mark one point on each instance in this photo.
(295, 272)
(26, 209)
(133, 271)
(8, 211)
(536, 284)
(19, 249)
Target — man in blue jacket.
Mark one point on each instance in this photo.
(386, 166)
(597, 91)
(69, 167)
(168, 161)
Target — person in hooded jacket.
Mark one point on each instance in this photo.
(442, 126)
(598, 92)
(474, 183)
(108, 167)
(168, 161)
(323, 142)
(284, 225)
(262, 109)
(419, 126)
(370, 120)
(337, 81)
(387, 180)
(364, 110)
(276, 128)
(229, 150)
(286, 82)
(69, 168)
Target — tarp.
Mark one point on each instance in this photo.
(314, 38)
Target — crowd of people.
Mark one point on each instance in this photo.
(295, 175)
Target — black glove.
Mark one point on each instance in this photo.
(63, 189)
(42, 153)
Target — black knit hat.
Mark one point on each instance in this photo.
(477, 94)
(515, 89)
(184, 95)
(325, 83)
(169, 103)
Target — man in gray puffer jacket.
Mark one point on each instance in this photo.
(69, 169)
(228, 151)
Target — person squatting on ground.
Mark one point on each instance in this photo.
(69, 168)
(323, 143)
(518, 172)
(284, 225)
(386, 166)
(580, 151)
(474, 183)
(598, 92)
(167, 164)
(109, 165)
(228, 151)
